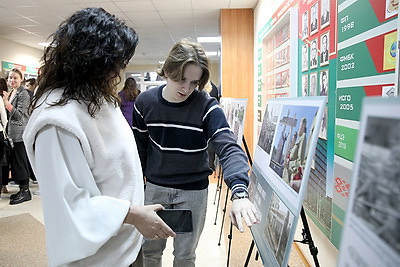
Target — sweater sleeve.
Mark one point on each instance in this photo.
(78, 219)
(233, 160)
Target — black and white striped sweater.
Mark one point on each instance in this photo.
(172, 140)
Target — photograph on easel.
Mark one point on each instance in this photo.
(288, 155)
(268, 128)
(282, 162)
(278, 228)
(235, 112)
(371, 231)
(273, 233)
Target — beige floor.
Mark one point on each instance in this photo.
(208, 252)
(212, 249)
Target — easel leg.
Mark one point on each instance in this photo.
(229, 245)
(307, 239)
(218, 182)
(249, 253)
(310, 242)
(223, 216)
(219, 196)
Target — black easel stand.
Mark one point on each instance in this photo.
(307, 239)
(229, 246)
(249, 253)
(219, 170)
(224, 210)
(223, 216)
(219, 189)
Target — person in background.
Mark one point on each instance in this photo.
(17, 102)
(128, 96)
(30, 85)
(212, 89)
(215, 92)
(82, 150)
(3, 125)
(173, 125)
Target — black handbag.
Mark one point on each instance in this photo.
(8, 143)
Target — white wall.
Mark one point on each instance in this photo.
(19, 54)
(29, 56)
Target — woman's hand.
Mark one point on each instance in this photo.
(243, 208)
(149, 224)
(5, 98)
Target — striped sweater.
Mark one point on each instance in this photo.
(172, 140)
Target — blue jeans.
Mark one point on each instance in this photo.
(184, 244)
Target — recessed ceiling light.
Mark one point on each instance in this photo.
(45, 44)
(209, 39)
(211, 53)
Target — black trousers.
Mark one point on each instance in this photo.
(3, 178)
(20, 165)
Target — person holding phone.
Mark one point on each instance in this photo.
(82, 150)
(173, 125)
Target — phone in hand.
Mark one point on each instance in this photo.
(180, 220)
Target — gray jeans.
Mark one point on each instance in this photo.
(184, 244)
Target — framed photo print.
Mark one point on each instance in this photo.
(314, 54)
(324, 57)
(304, 27)
(304, 85)
(324, 82)
(325, 13)
(314, 19)
(313, 84)
(304, 57)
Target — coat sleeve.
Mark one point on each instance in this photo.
(141, 134)
(78, 219)
(3, 115)
(20, 105)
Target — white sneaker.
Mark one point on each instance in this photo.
(12, 183)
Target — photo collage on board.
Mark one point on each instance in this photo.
(315, 53)
(235, 112)
(276, 48)
(315, 49)
(280, 171)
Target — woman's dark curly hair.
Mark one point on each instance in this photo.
(85, 58)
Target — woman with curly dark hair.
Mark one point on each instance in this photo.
(83, 152)
(128, 96)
